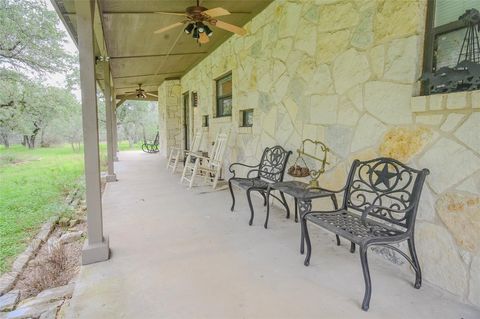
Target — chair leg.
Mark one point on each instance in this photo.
(338, 240)
(352, 247)
(268, 208)
(418, 271)
(251, 206)
(264, 199)
(296, 210)
(194, 173)
(215, 180)
(185, 168)
(306, 237)
(233, 195)
(366, 276)
(176, 162)
(285, 204)
(169, 158)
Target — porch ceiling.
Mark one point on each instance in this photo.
(140, 56)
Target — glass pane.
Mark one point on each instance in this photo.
(447, 11)
(448, 48)
(248, 118)
(225, 86)
(226, 107)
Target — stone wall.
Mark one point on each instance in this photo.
(344, 72)
(170, 116)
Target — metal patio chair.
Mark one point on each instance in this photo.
(268, 171)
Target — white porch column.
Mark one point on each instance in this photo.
(115, 126)
(111, 151)
(96, 247)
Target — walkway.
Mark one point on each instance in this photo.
(182, 254)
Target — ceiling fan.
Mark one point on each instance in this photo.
(140, 93)
(196, 19)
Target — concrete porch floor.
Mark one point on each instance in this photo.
(177, 253)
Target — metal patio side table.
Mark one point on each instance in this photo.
(303, 200)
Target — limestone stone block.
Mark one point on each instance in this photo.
(321, 81)
(337, 17)
(368, 133)
(284, 129)
(426, 207)
(469, 132)
(430, 119)
(396, 19)
(338, 138)
(280, 88)
(470, 185)
(474, 294)
(270, 121)
(329, 44)
(309, 131)
(452, 121)
(445, 173)
(364, 155)
(355, 95)
(439, 258)
(377, 60)
(9, 300)
(457, 100)
(350, 68)
(363, 35)
(306, 68)
(347, 113)
(70, 237)
(399, 60)
(419, 103)
(306, 38)
(461, 214)
(436, 102)
(476, 100)
(49, 295)
(288, 24)
(389, 102)
(282, 49)
(33, 311)
(335, 178)
(402, 143)
(323, 109)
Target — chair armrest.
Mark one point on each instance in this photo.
(372, 208)
(230, 168)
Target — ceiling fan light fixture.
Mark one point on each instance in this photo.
(196, 33)
(189, 28)
(208, 31)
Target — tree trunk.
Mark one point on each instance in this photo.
(5, 140)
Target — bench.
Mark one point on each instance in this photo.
(380, 202)
(268, 171)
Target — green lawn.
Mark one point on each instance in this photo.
(33, 187)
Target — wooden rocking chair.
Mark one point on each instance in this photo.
(210, 167)
(177, 153)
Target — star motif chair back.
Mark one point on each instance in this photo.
(387, 183)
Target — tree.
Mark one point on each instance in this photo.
(138, 120)
(30, 39)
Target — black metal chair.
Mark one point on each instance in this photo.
(380, 202)
(271, 169)
(151, 147)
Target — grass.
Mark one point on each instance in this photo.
(33, 187)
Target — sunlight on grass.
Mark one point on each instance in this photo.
(33, 187)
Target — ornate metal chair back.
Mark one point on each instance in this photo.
(388, 183)
(273, 164)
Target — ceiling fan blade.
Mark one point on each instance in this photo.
(203, 38)
(172, 13)
(151, 94)
(169, 27)
(228, 27)
(216, 12)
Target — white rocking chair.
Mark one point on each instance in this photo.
(178, 153)
(210, 167)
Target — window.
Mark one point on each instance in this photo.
(445, 34)
(246, 117)
(224, 95)
(205, 121)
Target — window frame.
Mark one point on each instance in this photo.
(205, 120)
(221, 98)
(431, 33)
(243, 115)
